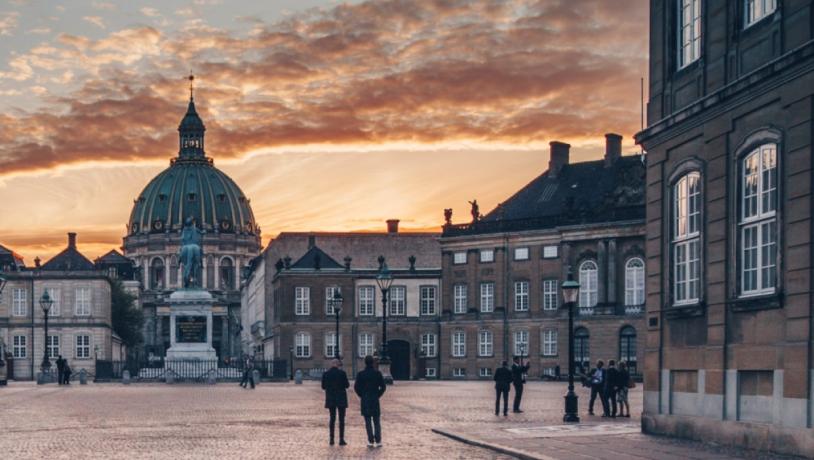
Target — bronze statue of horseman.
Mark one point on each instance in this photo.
(191, 254)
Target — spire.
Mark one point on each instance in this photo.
(191, 130)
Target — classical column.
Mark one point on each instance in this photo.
(602, 272)
(224, 334)
(612, 271)
(159, 331)
(146, 269)
(566, 261)
(167, 269)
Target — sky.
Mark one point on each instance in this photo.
(331, 116)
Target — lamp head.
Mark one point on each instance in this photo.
(46, 302)
(384, 279)
(570, 288)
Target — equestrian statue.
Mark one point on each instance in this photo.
(190, 254)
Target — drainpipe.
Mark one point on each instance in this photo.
(32, 326)
(506, 281)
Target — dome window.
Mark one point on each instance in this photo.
(158, 225)
(191, 196)
(225, 225)
(221, 197)
(134, 228)
(162, 197)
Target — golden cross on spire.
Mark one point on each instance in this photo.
(191, 80)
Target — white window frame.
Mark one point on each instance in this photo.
(83, 302)
(458, 344)
(428, 297)
(19, 302)
(459, 372)
(521, 253)
(486, 343)
(459, 258)
(302, 300)
(55, 295)
(551, 252)
(53, 346)
(367, 300)
(430, 372)
(521, 296)
(429, 345)
(19, 346)
(366, 344)
(459, 298)
(330, 344)
(634, 281)
(302, 345)
(549, 340)
(588, 284)
(485, 372)
(686, 241)
(397, 299)
(755, 10)
(330, 291)
(487, 297)
(758, 219)
(521, 337)
(551, 294)
(487, 255)
(83, 344)
(689, 32)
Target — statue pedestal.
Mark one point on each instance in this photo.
(190, 329)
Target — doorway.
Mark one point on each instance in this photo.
(399, 353)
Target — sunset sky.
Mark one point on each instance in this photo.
(329, 115)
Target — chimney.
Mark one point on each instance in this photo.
(37, 262)
(613, 148)
(312, 241)
(72, 240)
(393, 226)
(559, 157)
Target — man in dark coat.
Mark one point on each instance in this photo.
(503, 379)
(611, 387)
(518, 380)
(248, 367)
(596, 378)
(369, 386)
(60, 369)
(335, 382)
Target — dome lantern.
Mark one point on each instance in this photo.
(191, 131)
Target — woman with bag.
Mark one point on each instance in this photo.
(626, 383)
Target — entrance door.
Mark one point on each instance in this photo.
(399, 352)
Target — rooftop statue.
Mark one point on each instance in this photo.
(190, 254)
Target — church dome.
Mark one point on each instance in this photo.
(192, 187)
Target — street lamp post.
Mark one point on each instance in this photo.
(46, 302)
(2, 348)
(336, 305)
(570, 291)
(384, 279)
(291, 362)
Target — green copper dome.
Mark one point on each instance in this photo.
(192, 187)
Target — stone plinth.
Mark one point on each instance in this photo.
(191, 326)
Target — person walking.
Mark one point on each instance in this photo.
(518, 380)
(503, 380)
(60, 369)
(596, 378)
(624, 385)
(66, 373)
(335, 383)
(369, 386)
(612, 384)
(248, 366)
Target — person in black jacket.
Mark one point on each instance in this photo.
(518, 380)
(612, 384)
(60, 369)
(596, 379)
(248, 367)
(369, 386)
(335, 382)
(503, 379)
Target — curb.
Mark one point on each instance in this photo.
(521, 454)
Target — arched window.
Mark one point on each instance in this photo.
(758, 221)
(634, 282)
(157, 273)
(627, 347)
(227, 274)
(174, 271)
(302, 345)
(686, 239)
(588, 286)
(582, 353)
(210, 273)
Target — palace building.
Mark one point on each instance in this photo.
(729, 242)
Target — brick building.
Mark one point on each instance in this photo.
(502, 272)
(729, 178)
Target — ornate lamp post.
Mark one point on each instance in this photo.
(384, 279)
(570, 291)
(45, 303)
(336, 305)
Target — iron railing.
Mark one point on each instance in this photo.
(200, 371)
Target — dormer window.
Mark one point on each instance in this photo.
(191, 196)
(755, 10)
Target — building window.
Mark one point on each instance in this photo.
(550, 288)
(634, 282)
(365, 344)
(487, 297)
(459, 344)
(521, 295)
(588, 285)
(428, 345)
(485, 372)
(459, 372)
(19, 302)
(459, 298)
(429, 372)
(689, 26)
(367, 297)
(427, 301)
(485, 343)
(227, 274)
(82, 301)
(331, 350)
(302, 301)
(157, 273)
(302, 345)
(627, 347)
(487, 255)
(687, 239)
(55, 296)
(53, 346)
(459, 258)
(18, 346)
(550, 342)
(82, 346)
(521, 254)
(398, 303)
(330, 293)
(550, 252)
(582, 355)
(758, 221)
(755, 10)
(521, 343)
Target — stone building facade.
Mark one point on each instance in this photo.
(502, 272)
(729, 179)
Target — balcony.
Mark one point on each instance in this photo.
(610, 309)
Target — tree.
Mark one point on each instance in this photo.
(128, 319)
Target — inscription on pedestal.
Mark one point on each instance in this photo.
(190, 329)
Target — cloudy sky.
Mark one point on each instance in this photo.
(330, 115)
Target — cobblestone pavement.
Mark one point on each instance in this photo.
(283, 420)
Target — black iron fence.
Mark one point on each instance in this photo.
(160, 369)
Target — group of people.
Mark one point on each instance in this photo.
(64, 371)
(504, 379)
(611, 385)
(369, 386)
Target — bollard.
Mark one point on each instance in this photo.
(256, 377)
(169, 377)
(126, 377)
(210, 378)
(298, 377)
(83, 377)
